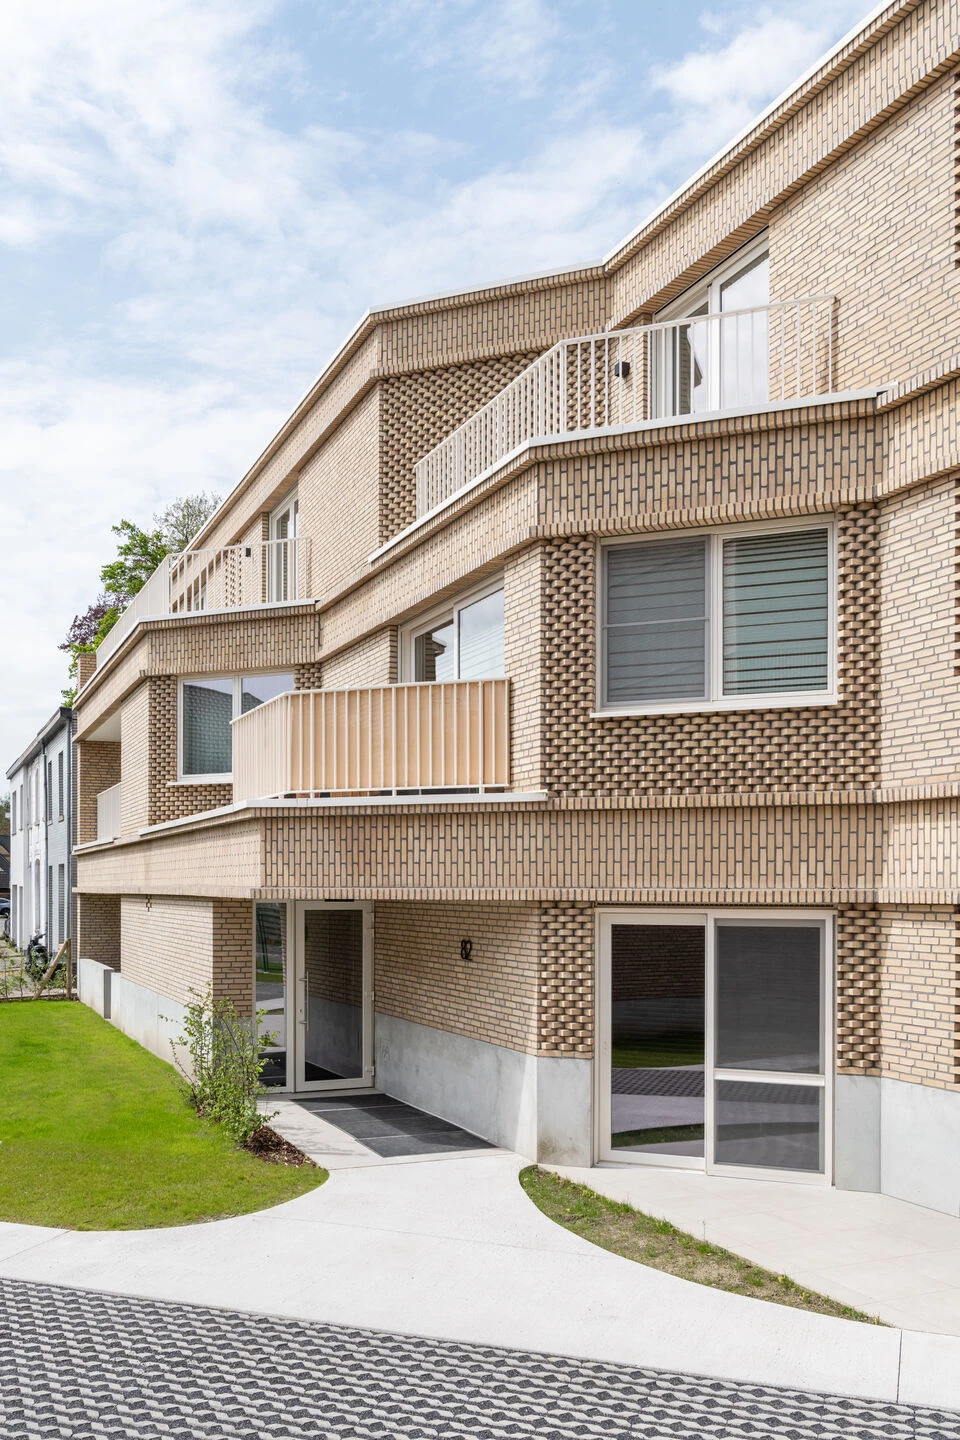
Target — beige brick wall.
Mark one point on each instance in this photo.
(135, 742)
(233, 953)
(98, 767)
(525, 663)
(166, 943)
(371, 662)
(920, 690)
(98, 929)
(340, 501)
(920, 979)
(421, 977)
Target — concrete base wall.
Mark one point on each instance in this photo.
(152, 1020)
(541, 1108)
(900, 1139)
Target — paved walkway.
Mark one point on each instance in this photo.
(882, 1256)
(99, 1366)
(450, 1248)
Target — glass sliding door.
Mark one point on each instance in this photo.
(334, 1009)
(714, 1048)
(769, 1072)
(271, 988)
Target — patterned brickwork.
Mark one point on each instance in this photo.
(232, 958)
(98, 767)
(170, 800)
(418, 411)
(919, 995)
(339, 489)
(309, 677)
(98, 929)
(565, 1009)
(421, 976)
(858, 985)
(801, 748)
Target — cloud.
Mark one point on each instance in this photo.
(195, 221)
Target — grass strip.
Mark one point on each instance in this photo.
(96, 1133)
(624, 1231)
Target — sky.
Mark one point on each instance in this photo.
(198, 201)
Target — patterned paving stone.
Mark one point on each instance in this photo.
(81, 1366)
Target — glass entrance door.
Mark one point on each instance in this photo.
(713, 1043)
(334, 999)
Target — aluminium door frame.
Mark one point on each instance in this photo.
(297, 1030)
(606, 917)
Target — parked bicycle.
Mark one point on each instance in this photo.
(37, 957)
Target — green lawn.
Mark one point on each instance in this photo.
(95, 1133)
(657, 1051)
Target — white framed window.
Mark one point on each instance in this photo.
(282, 559)
(206, 706)
(462, 641)
(742, 617)
(721, 359)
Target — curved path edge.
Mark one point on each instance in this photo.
(452, 1248)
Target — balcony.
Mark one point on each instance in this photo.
(385, 740)
(697, 365)
(108, 813)
(231, 577)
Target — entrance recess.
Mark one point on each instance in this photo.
(314, 977)
(714, 1047)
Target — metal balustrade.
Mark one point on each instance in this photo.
(108, 813)
(230, 577)
(733, 359)
(388, 739)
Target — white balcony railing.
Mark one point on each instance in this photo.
(108, 813)
(385, 739)
(623, 377)
(231, 577)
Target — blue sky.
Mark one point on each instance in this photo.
(199, 200)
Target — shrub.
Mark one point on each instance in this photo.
(227, 1055)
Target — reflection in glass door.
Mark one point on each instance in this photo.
(713, 1042)
(334, 1031)
(270, 988)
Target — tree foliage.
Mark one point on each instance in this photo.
(139, 552)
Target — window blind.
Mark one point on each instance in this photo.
(775, 622)
(656, 621)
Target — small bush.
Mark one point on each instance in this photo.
(227, 1055)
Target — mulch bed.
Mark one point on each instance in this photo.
(267, 1145)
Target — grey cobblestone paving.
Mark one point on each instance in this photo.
(82, 1366)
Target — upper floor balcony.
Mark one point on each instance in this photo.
(385, 740)
(229, 577)
(701, 363)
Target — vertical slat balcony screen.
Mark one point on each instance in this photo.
(775, 613)
(383, 740)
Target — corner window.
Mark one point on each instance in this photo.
(722, 619)
(464, 642)
(207, 706)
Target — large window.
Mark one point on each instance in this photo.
(464, 642)
(207, 706)
(724, 619)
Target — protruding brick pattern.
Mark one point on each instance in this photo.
(858, 989)
(420, 410)
(565, 1009)
(751, 750)
(308, 677)
(169, 801)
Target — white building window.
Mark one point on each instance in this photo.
(207, 706)
(464, 641)
(724, 619)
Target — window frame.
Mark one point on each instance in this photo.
(226, 776)
(715, 700)
(709, 286)
(424, 623)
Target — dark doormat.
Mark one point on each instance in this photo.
(388, 1127)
